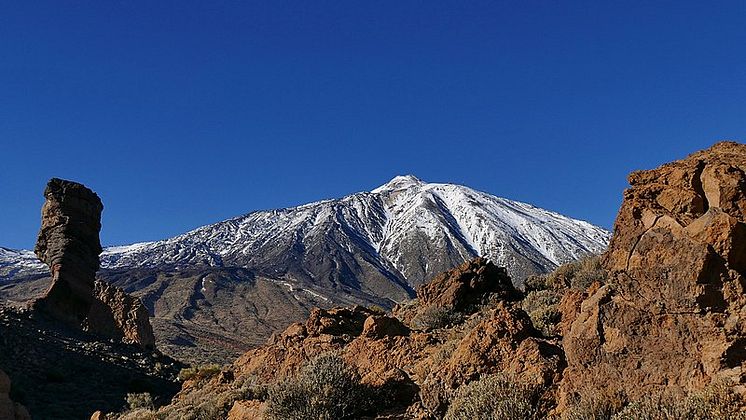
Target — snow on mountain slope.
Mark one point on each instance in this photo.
(404, 232)
(13, 262)
(407, 228)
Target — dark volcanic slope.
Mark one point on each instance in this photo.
(62, 373)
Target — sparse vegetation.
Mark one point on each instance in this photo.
(544, 293)
(199, 372)
(434, 317)
(577, 275)
(139, 400)
(717, 402)
(541, 307)
(325, 389)
(492, 397)
(593, 406)
(377, 309)
(214, 404)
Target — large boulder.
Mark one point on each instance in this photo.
(673, 315)
(456, 293)
(468, 285)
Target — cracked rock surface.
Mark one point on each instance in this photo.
(673, 315)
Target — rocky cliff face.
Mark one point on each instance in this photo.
(68, 243)
(671, 317)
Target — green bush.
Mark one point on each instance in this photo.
(434, 317)
(492, 397)
(377, 309)
(535, 283)
(325, 389)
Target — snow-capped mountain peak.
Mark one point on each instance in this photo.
(399, 182)
(405, 230)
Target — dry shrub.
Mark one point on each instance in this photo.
(199, 372)
(139, 400)
(578, 275)
(433, 317)
(492, 397)
(594, 407)
(544, 293)
(542, 307)
(326, 388)
(717, 402)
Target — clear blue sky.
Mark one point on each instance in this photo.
(182, 113)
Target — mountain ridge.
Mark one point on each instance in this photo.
(374, 231)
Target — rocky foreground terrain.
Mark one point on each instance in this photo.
(652, 329)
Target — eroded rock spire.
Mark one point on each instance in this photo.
(68, 243)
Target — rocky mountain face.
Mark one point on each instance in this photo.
(671, 316)
(220, 289)
(649, 334)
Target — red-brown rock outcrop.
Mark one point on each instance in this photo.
(419, 370)
(116, 314)
(467, 285)
(673, 314)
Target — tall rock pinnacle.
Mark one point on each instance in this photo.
(68, 243)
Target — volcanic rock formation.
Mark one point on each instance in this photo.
(673, 315)
(69, 244)
(116, 314)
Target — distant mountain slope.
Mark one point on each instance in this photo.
(405, 231)
(369, 248)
